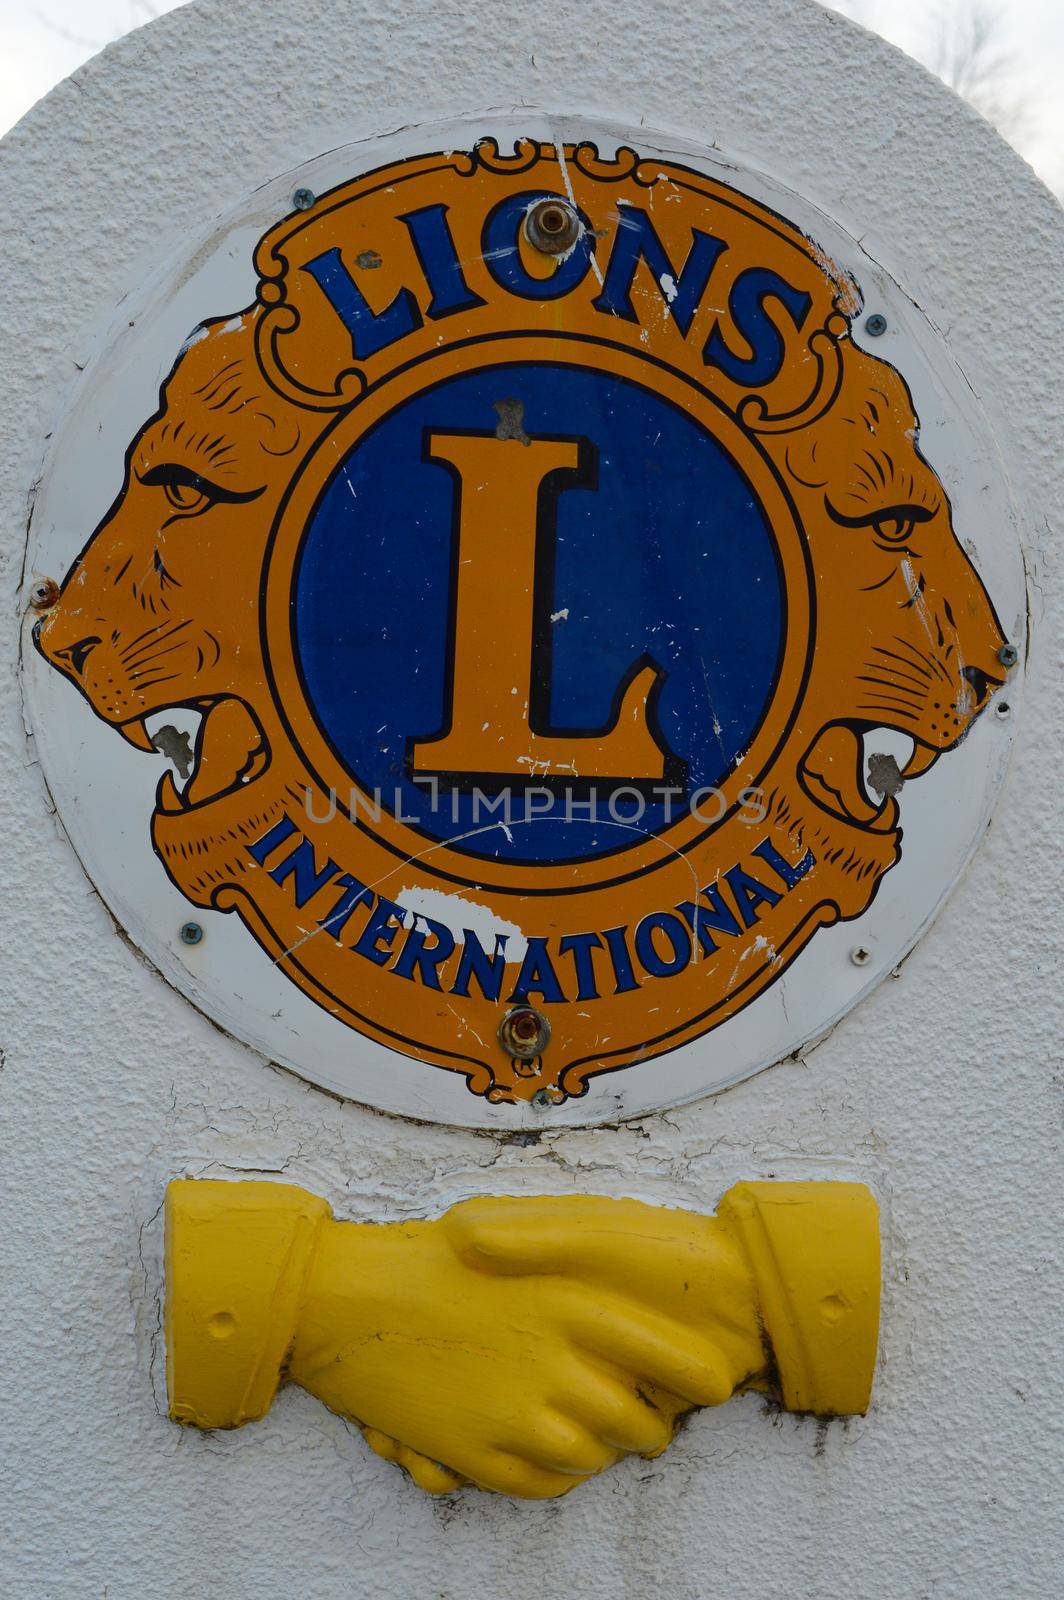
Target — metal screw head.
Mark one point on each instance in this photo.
(191, 933)
(552, 226)
(303, 199)
(875, 325)
(1008, 655)
(44, 594)
(1002, 709)
(524, 1033)
(860, 956)
(541, 1101)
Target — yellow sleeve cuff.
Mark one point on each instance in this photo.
(814, 1252)
(237, 1259)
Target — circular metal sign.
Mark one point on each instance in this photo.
(506, 674)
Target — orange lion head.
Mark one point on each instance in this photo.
(160, 610)
(906, 636)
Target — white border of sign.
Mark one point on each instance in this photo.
(104, 790)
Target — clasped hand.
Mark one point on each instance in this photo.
(524, 1344)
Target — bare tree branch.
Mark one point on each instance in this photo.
(65, 33)
(139, 11)
(966, 52)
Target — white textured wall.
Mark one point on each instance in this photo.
(941, 1090)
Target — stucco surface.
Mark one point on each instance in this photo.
(941, 1090)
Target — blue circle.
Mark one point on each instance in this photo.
(671, 558)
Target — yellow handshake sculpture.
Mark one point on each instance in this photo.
(520, 1344)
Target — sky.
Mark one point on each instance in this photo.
(1027, 41)
(41, 41)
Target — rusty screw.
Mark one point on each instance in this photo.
(552, 226)
(524, 1033)
(44, 594)
(304, 199)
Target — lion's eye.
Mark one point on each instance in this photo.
(186, 496)
(190, 494)
(894, 528)
(184, 489)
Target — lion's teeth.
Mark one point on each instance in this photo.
(167, 797)
(174, 732)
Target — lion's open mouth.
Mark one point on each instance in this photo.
(855, 770)
(213, 746)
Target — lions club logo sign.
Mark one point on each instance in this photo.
(536, 563)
